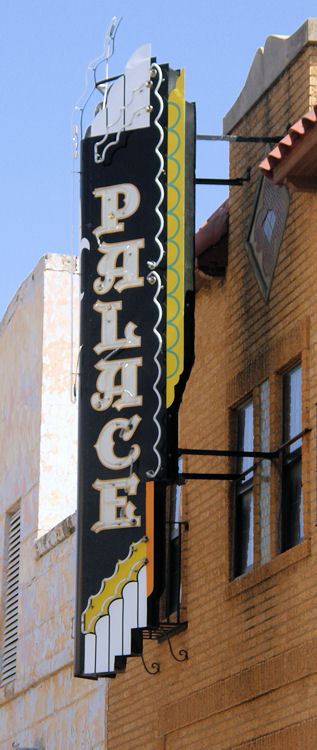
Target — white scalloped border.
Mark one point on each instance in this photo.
(151, 473)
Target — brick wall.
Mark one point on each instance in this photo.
(251, 678)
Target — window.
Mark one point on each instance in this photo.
(244, 501)
(170, 604)
(173, 552)
(268, 224)
(292, 526)
(268, 516)
(264, 473)
(11, 598)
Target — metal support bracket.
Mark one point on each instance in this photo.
(230, 181)
(155, 667)
(261, 455)
(183, 653)
(163, 632)
(196, 475)
(230, 453)
(241, 138)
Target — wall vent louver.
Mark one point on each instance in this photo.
(10, 627)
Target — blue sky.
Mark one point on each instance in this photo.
(44, 52)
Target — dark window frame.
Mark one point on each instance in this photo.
(173, 569)
(291, 529)
(286, 504)
(243, 505)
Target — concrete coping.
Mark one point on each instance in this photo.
(269, 63)
(55, 536)
(48, 262)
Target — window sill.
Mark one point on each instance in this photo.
(274, 566)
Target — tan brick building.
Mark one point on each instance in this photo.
(249, 562)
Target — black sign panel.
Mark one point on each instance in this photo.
(122, 421)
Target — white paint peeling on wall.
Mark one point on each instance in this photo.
(51, 708)
(46, 707)
(58, 460)
(20, 389)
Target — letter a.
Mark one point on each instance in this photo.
(128, 272)
(127, 389)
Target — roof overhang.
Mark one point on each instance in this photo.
(211, 243)
(293, 162)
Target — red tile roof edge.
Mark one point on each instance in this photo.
(295, 135)
(213, 230)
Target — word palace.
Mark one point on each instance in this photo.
(117, 383)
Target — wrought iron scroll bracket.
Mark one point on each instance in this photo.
(183, 653)
(155, 667)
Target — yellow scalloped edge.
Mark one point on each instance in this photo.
(111, 588)
(175, 239)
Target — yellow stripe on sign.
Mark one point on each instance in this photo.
(175, 238)
(111, 588)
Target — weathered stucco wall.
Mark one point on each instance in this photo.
(20, 396)
(49, 708)
(45, 707)
(58, 459)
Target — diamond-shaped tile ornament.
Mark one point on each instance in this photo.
(266, 232)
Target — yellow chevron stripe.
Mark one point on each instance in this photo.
(111, 588)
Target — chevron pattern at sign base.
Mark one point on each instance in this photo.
(112, 614)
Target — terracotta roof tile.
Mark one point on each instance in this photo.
(211, 245)
(213, 230)
(294, 136)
